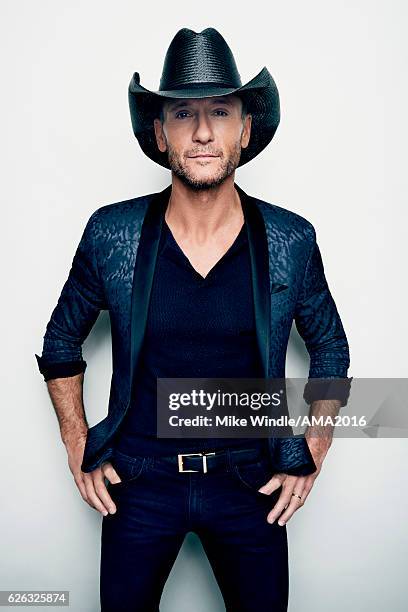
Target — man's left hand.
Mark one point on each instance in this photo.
(295, 489)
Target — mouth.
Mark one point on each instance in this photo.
(203, 156)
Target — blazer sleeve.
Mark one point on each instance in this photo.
(318, 322)
(81, 299)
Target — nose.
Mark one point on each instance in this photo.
(202, 131)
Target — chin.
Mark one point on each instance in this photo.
(199, 183)
(201, 178)
(204, 178)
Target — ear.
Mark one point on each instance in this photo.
(160, 138)
(246, 132)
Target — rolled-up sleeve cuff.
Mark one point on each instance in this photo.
(327, 389)
(61, 369)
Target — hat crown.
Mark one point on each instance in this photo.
(194, 58)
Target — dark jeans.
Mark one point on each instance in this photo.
(157, 506)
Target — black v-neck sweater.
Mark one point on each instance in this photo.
(196, 327)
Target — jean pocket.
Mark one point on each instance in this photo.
(253, 475)
(128, 468)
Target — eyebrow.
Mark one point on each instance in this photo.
(175, 105)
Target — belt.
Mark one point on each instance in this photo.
(212, 461)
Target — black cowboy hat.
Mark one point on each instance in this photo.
(199, 65)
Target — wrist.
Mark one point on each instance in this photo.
(73, 440)
(318, 445)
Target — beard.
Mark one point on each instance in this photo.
(227, 165)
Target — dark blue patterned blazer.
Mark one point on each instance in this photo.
(288, 284)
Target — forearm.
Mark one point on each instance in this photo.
(319, 436)
(67, 398)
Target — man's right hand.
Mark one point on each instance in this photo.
(91, 484)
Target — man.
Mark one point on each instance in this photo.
(200, 280)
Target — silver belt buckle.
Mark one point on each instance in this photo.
(203, 455)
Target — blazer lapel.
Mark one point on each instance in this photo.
(143, 275)
(258, 249)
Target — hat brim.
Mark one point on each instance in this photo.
(261, 97)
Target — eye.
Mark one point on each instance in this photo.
(181, 113)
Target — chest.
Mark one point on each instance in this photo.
(204, 253)
(184, 304)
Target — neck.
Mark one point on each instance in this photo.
(204, 212)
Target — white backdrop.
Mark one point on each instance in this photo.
(337, 159)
